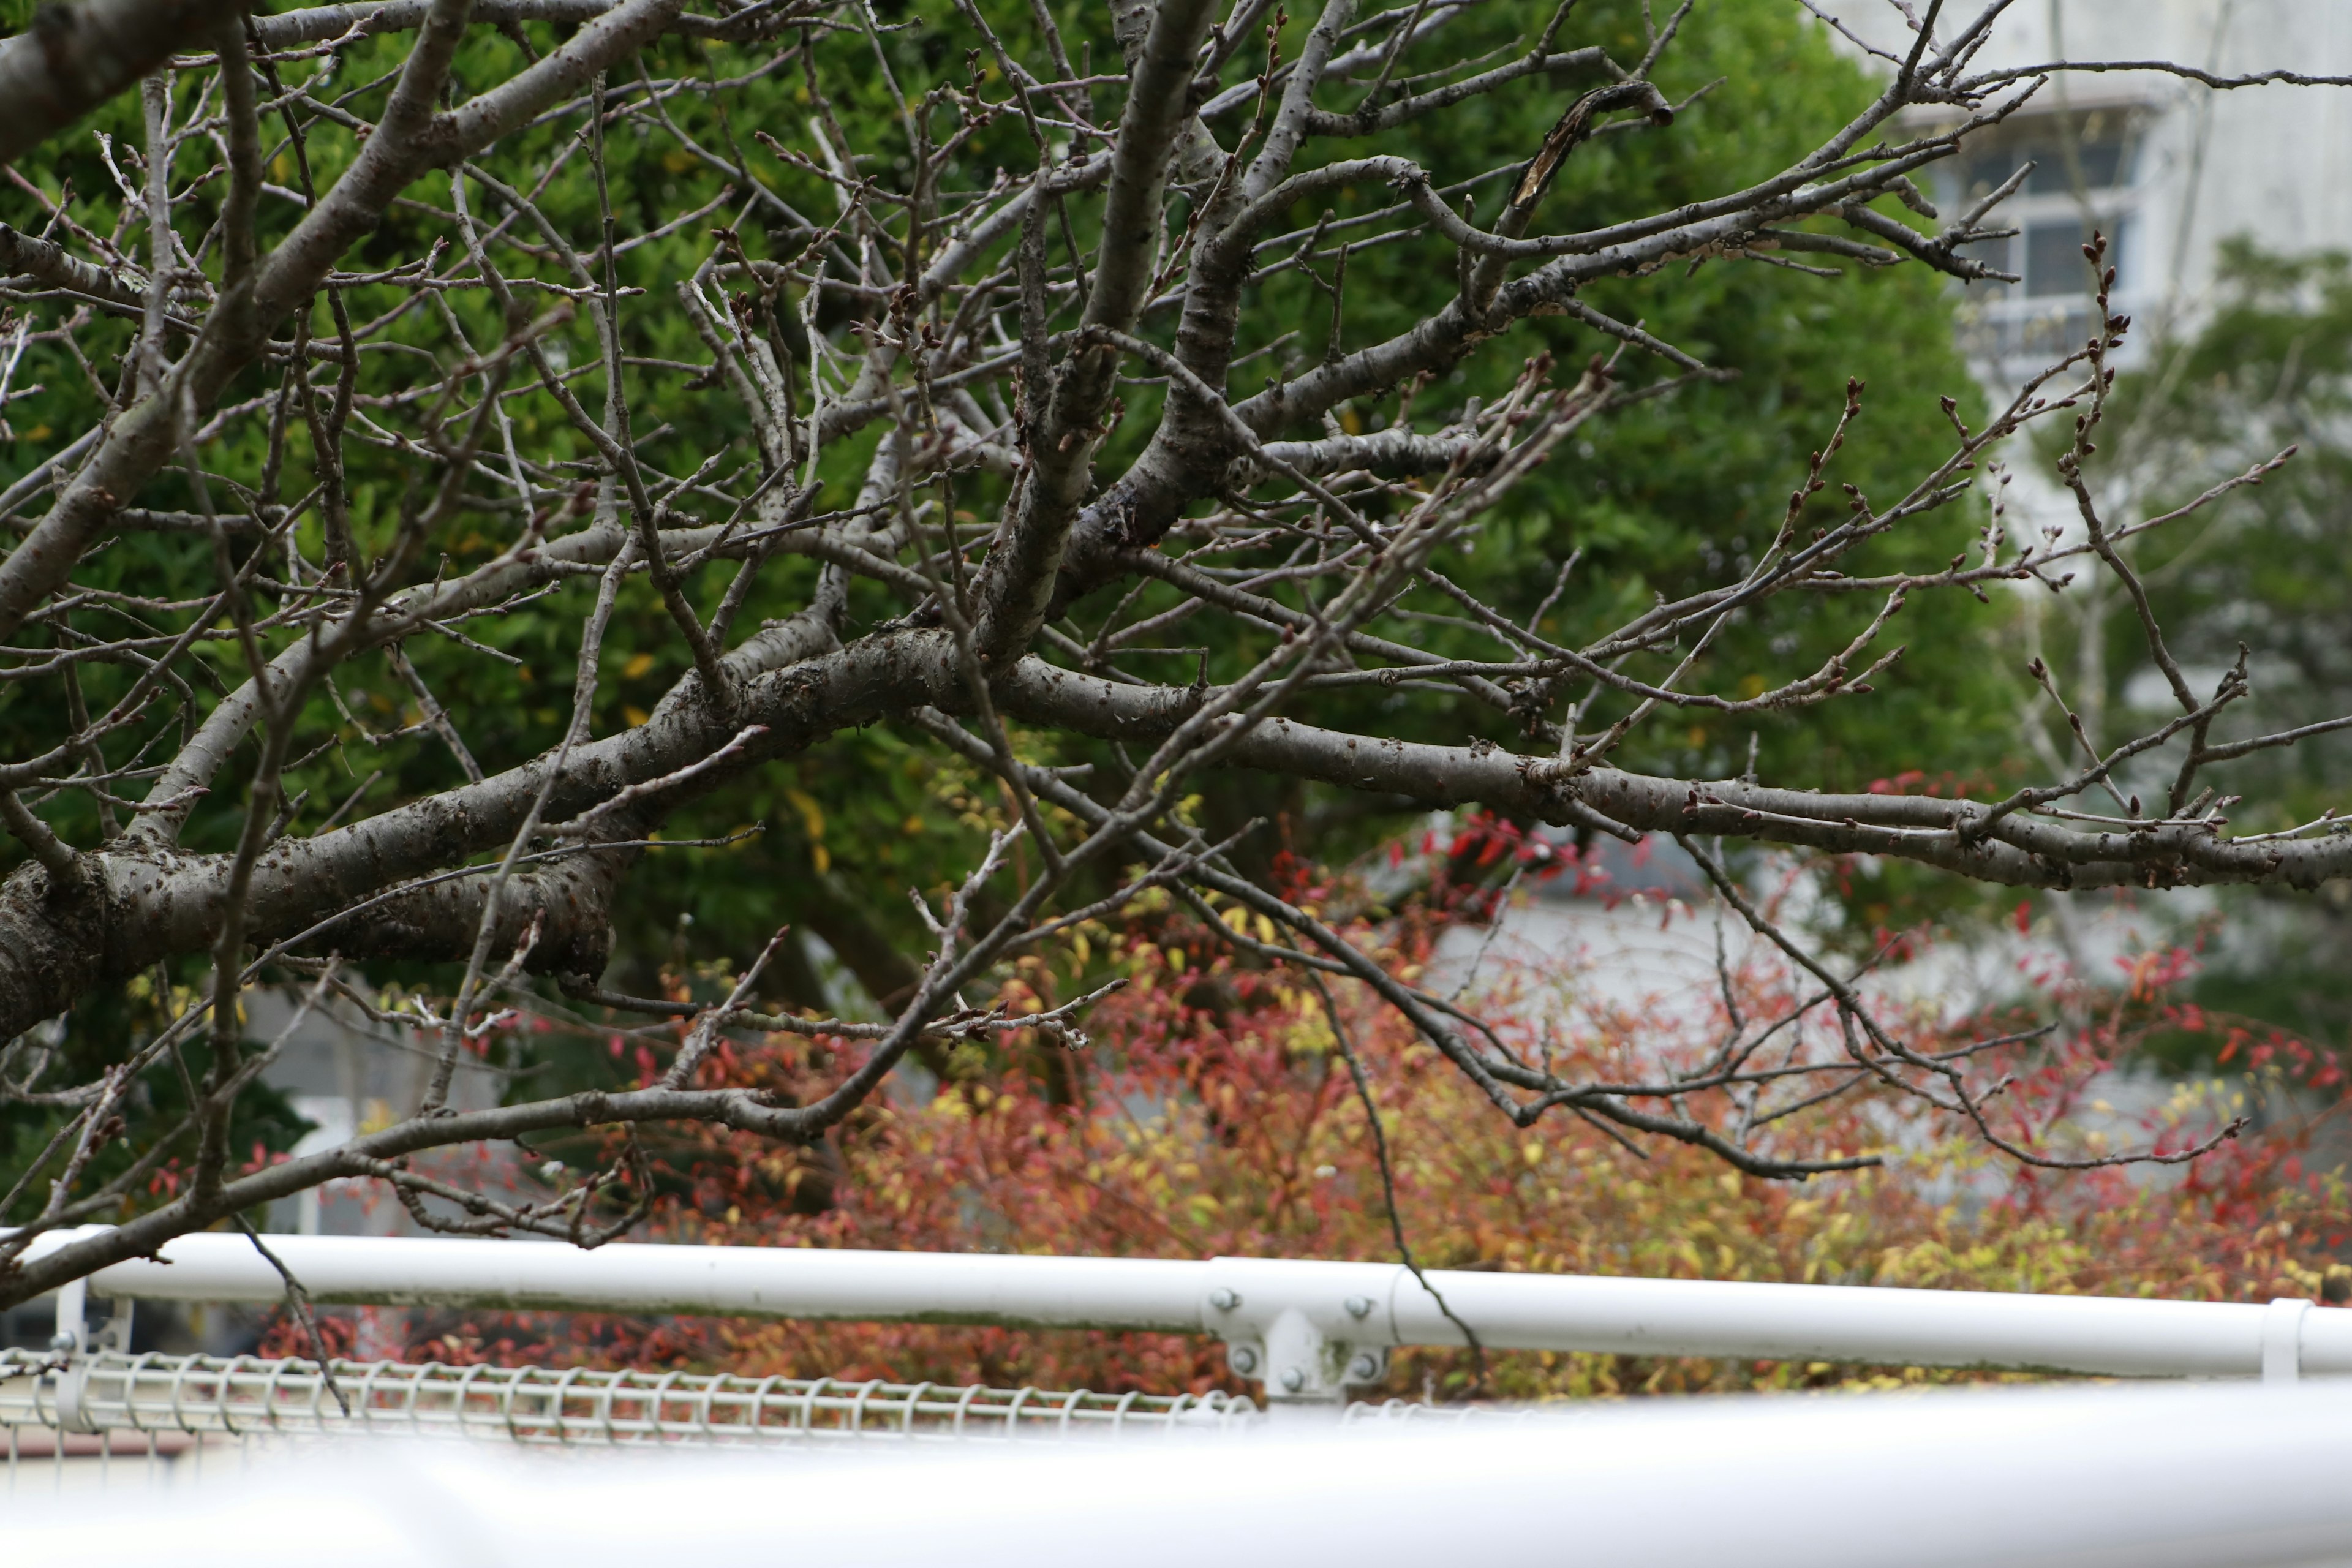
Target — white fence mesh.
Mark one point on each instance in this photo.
(150, 1405)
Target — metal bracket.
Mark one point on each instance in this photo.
(75, 1338)
(1281, 1331)
(2282, 1340)
(74, 1343)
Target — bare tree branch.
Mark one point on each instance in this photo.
(862, 366)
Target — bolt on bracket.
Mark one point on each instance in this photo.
(1307, 1331)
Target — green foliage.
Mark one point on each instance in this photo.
(1665, 496)
(1680, 490)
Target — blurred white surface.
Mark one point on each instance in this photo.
(2209, 1477)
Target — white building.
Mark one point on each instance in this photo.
(2167, 168)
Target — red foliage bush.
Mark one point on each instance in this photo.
(1216, 1116)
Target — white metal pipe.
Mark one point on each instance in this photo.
(2082, 1477)
(2114, 1336)
(720, 1282)
(1362, 1303)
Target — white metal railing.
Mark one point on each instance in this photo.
(2156, 1477)
(1309, 1329)
(2200, 1475)
(249, 1397)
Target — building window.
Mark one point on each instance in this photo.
(2083, 171)
(2101, 153)
(2054, 263)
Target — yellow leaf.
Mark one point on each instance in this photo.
(635, 714)
(638, 665)
(811, 813)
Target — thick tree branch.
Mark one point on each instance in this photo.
(75, 57)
